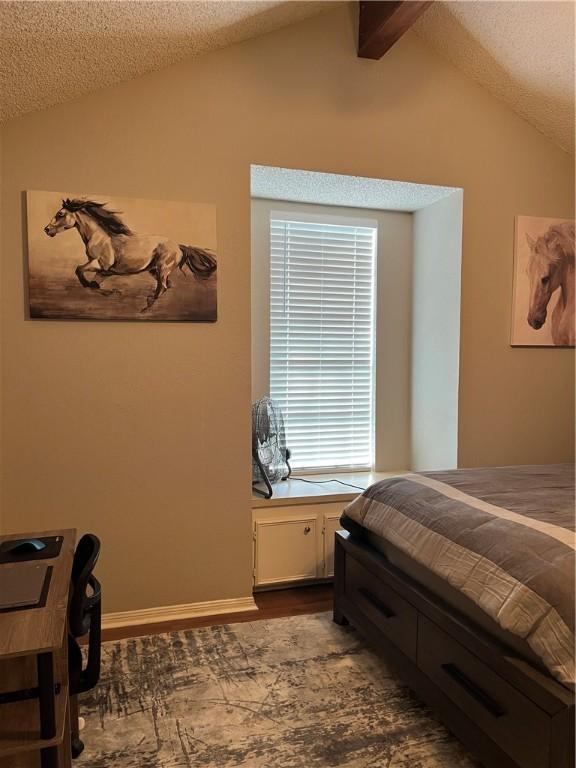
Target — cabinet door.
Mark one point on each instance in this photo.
(286, 550)
(331, 525)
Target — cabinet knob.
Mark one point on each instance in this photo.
(307, 530)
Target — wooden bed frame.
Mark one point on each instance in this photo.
(508, 714)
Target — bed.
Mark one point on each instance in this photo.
(464, 580)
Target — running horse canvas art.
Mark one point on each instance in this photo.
(544, 283)
(109, 275)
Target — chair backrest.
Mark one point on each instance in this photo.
(81, 604)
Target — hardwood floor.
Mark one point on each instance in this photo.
(271, 605)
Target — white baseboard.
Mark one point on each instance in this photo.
(177, 612)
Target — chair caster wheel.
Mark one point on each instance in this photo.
(77, 748)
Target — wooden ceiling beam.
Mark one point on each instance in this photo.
(382, 23)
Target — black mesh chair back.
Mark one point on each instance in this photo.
(85, 615)
(84, 618)
(85, 588)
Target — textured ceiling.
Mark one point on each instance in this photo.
(54, 51)
(523, 52)
(349, 191)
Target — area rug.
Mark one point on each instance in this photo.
(298, 692)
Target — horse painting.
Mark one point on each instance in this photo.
(547, 283)
(113, 266)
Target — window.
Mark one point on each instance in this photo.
(322, 337)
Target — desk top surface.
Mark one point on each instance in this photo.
(35, 630)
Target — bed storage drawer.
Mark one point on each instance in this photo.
(380, 604)
(510, 719)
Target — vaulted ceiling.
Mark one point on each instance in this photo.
(522, 51)
(54, 51)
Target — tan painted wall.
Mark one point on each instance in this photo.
(141, 432)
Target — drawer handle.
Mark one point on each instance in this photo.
(378, 604)
(473, 690)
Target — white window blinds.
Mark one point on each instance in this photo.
(321, 339)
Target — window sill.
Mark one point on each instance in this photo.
(294, 492)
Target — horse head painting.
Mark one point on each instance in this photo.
(113, 266)
(548, 282)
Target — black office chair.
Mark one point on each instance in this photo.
(84, 618)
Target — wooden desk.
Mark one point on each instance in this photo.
(34, 659)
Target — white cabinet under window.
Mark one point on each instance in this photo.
(295, 544)
(285, 550)
(331, 525)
